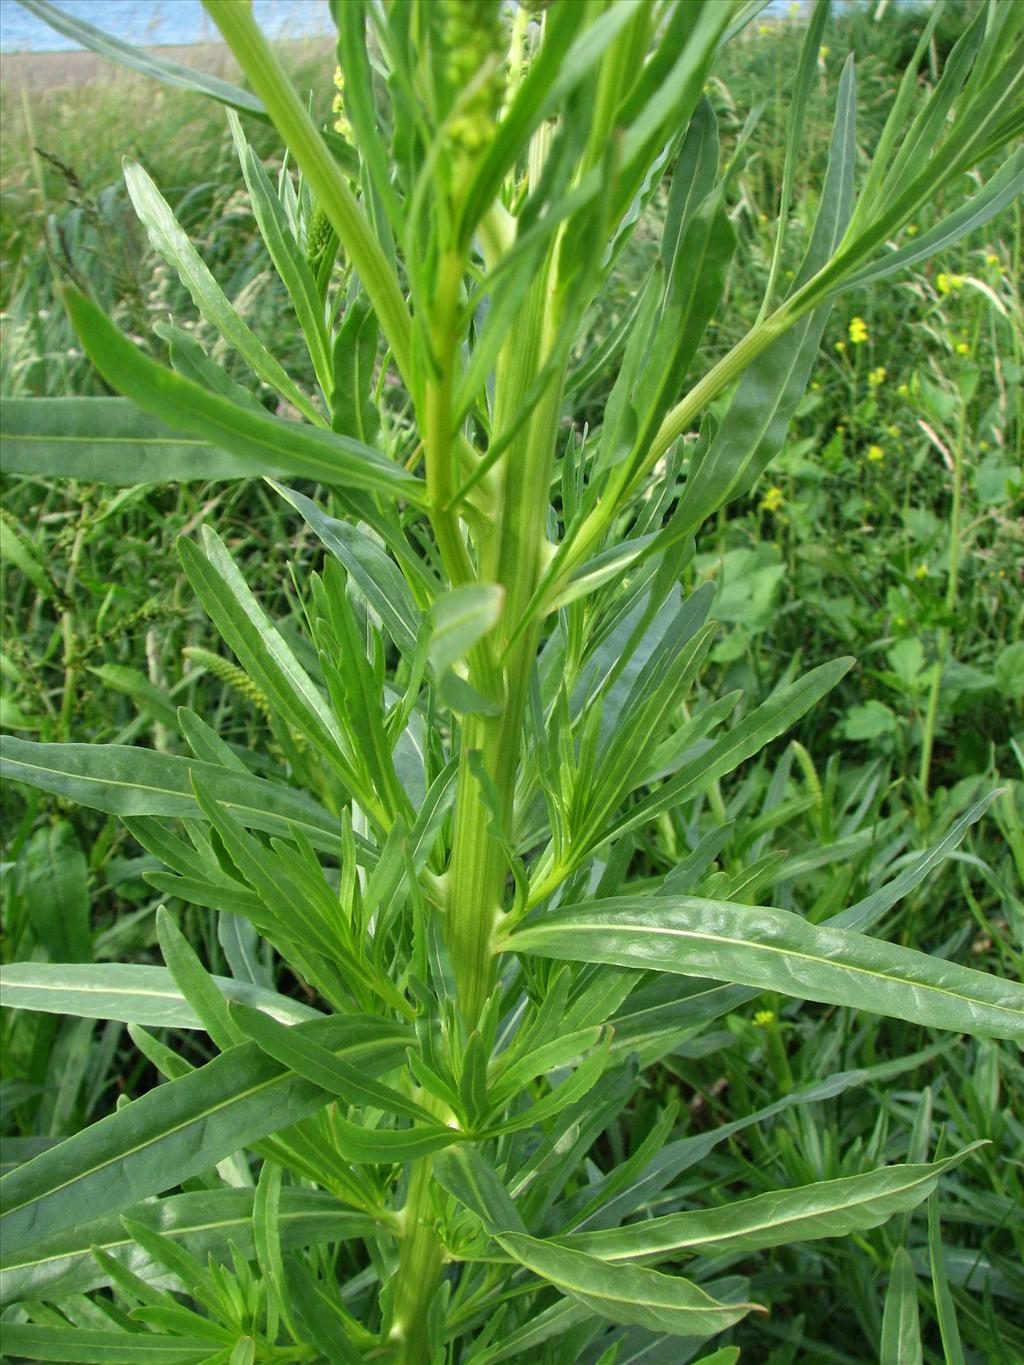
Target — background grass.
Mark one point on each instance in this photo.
(844, 547)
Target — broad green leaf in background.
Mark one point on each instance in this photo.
(108, 440)
(127, 992)
(777, 950)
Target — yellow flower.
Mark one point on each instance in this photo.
(772, 500)
(823, 52)
(912, 229)
(840, 346)
(876, 376)
(984, 446)
(921, 571)
(875, 454)
(858, 331)
(962, 348)
(763, 1018)
(903, 390)
(763, 29)
(341, 124)
(893, 429)
(815, 384)
(948, 283)
(992, 259)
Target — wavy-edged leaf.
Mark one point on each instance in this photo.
(776, 950)
(828, 1208)
(627, 1294)
(180, 1129)
(129, 993)
(282, 448)
(202, 1223)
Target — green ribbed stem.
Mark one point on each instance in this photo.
(420, 1263)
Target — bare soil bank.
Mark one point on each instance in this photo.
(50, 70)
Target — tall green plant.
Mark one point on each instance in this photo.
(500, 689)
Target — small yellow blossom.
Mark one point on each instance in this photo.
(858, 331)
(921, 571)
(840, 346)
(984, 446)
(875, 454)
(963, 348)
(341, 124)
(772, 500)
(903, 390)
(823, 52)
(763, 29)
(948, 283)
(912, 229)
(992, 259)
(815, 384)
(893, 429)
(763, 1018)
(876, 376)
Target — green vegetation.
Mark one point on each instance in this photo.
(521, 931)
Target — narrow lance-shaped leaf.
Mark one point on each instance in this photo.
(171, 241)
(202, 1222)
(829, 1208)
(180, 1129)
(283, 448)
(288, 260)
(901, 1323)
(776, 950)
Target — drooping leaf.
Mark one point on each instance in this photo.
(625, 1294)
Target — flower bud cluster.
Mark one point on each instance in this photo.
(475, 44)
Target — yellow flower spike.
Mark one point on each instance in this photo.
(823, 52)
(858, 331)
(992, 259)
(948, 284)
(772, 500)
(840, 346)
(875, 454)
(763, 1018)
(921, 571)
(903, 390)
(963, 348)
(876, 377)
